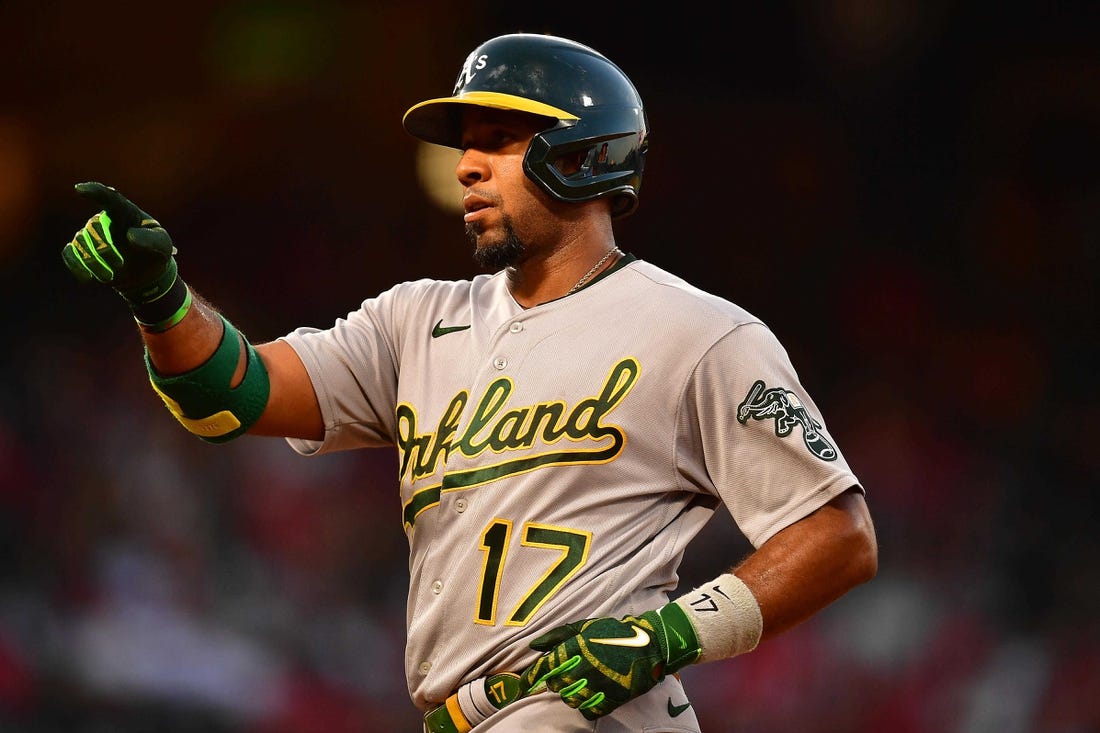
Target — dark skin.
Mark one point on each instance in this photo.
(793, 575)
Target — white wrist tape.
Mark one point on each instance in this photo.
(725, 615)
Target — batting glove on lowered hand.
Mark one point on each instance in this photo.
(123, 247)
(598, 664)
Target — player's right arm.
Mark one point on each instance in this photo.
(216, 383)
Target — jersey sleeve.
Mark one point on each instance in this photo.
(766, 449)
(353, 368)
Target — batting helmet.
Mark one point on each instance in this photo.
(595, 114)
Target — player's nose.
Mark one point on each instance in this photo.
(471, 167)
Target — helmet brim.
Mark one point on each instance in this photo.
(437, 120)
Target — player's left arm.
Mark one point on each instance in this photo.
(596, 665)
(811, 563)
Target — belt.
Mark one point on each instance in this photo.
(472, 703)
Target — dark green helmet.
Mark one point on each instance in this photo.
(595, 114)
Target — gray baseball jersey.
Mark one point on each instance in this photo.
(555, 462)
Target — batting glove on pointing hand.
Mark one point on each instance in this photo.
(123, 247)
(598, 664)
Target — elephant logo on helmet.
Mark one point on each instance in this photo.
(787, 410)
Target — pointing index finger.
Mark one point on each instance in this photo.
(117, 206)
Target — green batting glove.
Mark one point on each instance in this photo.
(123, 247)
(598, 664)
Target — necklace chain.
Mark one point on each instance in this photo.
(595, 268)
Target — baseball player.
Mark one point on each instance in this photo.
(565, 423)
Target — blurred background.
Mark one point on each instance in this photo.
(907, 191)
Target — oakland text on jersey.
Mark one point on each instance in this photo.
(491, 427)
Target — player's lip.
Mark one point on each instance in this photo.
(472, 204)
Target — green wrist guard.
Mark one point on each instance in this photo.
(163, 304)
(202, 399)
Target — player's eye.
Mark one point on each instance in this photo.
(500, 137)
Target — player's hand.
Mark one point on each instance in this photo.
(598, 664)
(121, 246)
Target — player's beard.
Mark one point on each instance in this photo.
(508, 252)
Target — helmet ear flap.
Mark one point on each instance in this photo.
(590, 159)
(624, 204)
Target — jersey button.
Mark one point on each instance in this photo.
(500, 362)
(437, 587)
(460, 505)
(425, 667)
(516, 327)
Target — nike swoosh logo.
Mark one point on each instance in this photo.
(440, 330)
(640, 639)
(675, 710)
